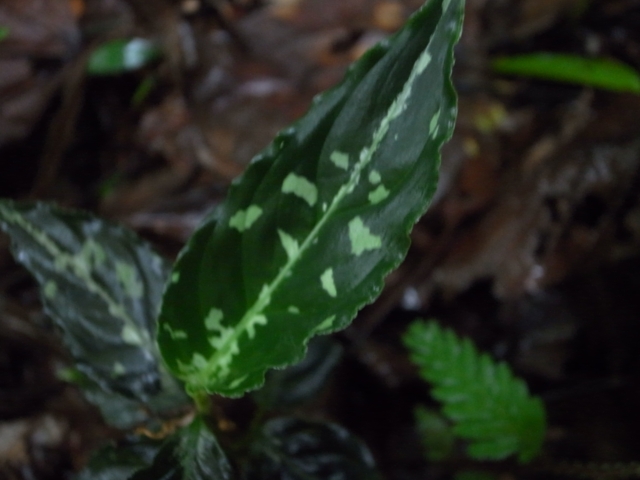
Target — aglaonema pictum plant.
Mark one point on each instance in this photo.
(304, 240)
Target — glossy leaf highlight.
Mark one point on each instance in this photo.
(125, 461)
(192, 453)
(308, 233)
(296, 449)
(488, 405)
(200, 455)
(122, 55)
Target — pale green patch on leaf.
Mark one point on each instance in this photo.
(175, 276)
(253, 321)
(379, 194)
(361, 237)
(488, 405)
(212, 322)
(238, 381)
(129, 280)
(328, 283)
(434, 124)
(93, 254)
(340, 160)
(300, 187)
(373, 125)
(326, 326)
(289, 244)
(176, 334)
(118, 369)
(131, 336)
(293, 309)
(50, 289)
(243, 219)
(199, 362)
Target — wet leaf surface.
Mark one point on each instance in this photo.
(191, 454)
(101, 285)
(292, 448)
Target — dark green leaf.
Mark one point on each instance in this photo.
(591, 72)
(124, 461)
(123, 412)
(200, 455)
(191, 454)
(164, 467)
(294, 449)
(303, 381)
(489, 406)
(102, 286)
(121, 56)
(4, 33)
(317, 221)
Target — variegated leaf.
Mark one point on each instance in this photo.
(307, 235)
(102, 286)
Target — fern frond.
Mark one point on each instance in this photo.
(489, 406)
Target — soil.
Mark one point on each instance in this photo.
(531, 246)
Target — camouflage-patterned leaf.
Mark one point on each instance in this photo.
(317, 221)
(102, 286)
(200, 454)
(192, 453)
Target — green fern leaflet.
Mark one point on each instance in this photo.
(489, 406)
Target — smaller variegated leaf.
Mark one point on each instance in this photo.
(191, 453)
(200, 455)
(307, 235)
(102, 286)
